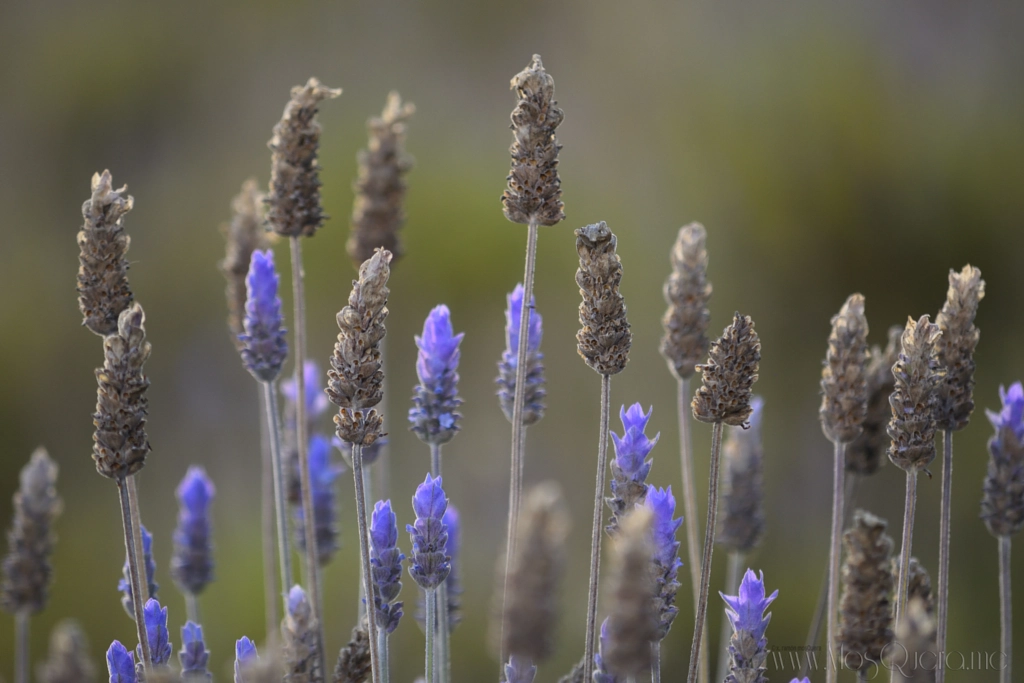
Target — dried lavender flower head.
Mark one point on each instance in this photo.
(633, 622)
(155, 618)
(844, 388)
(434, 417)
(193, 656)
(630, 466)
(385, 565)
(748, 647)
(741, 516)
(354, 659)
(1002, 503)
(300, 639)
(355, 378)
(103, 290)
(534, 192)
(264, 344)
(726, 379)
(687, 292)
(124, 584)
(915, 659)
(26, 568)
(865, 612)
(534, 392)
(919, 584)
(68, 660)
(322, 475)
(377, 212)
(242, 236)
(120, 664)
(430, 562)
(293, 203)
(604, 338)
(913, 401)
(956, 346)
(665, 562)
(192, 561)
(865, 454)
(120, 443)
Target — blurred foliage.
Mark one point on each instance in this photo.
(828, 148)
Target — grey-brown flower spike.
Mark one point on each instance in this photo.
(103, 290)
(913, 401)
(68, 659)
(354, 659)
(294, 199)
(865, 454)
(729, 374)
(865, 612)
(604, 338)
(914, 659)
(632, 618)
(844, 389)
(355, 379)
(741, 524)
(244, 235)
(919, 584)
(534, 192)
(956, 346)
(687, 291)
(377, 213)
(120, 442)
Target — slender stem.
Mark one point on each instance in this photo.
(908, 531)
(942, 602)
(368, 488)
(133, 574)
(268, 509)
(444, 664)
(382, 464)
(192, 607)
(430, 623)
(1005, 608)
(302, 439)
(385, 655)
(732, 580)
(140, 550)
(435, 460)
(364, 551)
(709, 546)
(280, 504)
(595, 530)
(655, 661)
(838, 489)
(21, 621)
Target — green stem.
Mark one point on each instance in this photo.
(280, 504)
(732, 580)
(192, 608)
(133, 574)
(909, 505)
(444, 664)
(1005, 607)
(21, 621)
(430, 623)
(268, 498)
(368, 488)
(385, 655)
(838, 489)
(942, 602)
(595, 529)
(364, 552)
(656, 661)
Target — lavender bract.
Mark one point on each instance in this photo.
(534, 392)
(519, 670)
(192, 561)
(264, 346)
(300, 638)
(322, 474)
(453, 583)
(630, 466)
(430, 563)
(156, 632)
(125, 585)
(120, 664)
(601, 672)
(1002, 505)
(434, 416)
(193, 656)
(386, 565)
(245, 657)
(666, 562)
(748, 647)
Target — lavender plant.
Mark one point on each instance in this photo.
(386, 569)
(429, 563)
(156, 632)
(193, 656)
(120, 664)
(68, 660)
(748, 647)
(534, 392)
(245, 657)
(322, 475)
(630, 466)
(665, 564)
(125, 584)
(192, 561)
(300, 631)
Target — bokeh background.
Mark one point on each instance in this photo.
(828, 148)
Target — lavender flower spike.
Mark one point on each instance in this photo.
(120, 664)
(316, 400)
(386, 565)
(245, 657)
(125, 585)
(534, 392)
(601, 672)
(264, 347)
(666, 562)
(630, 466)
(156, 633)
(520, 670)
(748, 648)
(193, 656)
(300, 639)
(434, 416)
(453, 583)
(430, 561)
(322, 474)
(1002, 505)
(192, 562)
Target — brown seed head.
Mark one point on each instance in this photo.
(726, 379)
(917, 374)
(956, 347)
(920, 583)
(534, 192)
(604, 337)
(632, 617)
(355, 380)
(103, 290)
(915, 659)
(354, 659)
(68, 659)
(380, 188)
(120, 443)
(1002, 501)
(294, 198)
(864, 455)
(244, 235)
(687, 291)
(741, 517)
(865, 613)
(844, 389)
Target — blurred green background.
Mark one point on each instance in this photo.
(828, 148)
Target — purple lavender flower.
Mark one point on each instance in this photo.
(125, 585)
(520, 670)
(316, 400)
(120, 664)
(801, 680)
(1011, 416)
(666, 553)
(748, 646)
(630, 466)
(1002, 503)
(534, 393)
(453, 583)
(430, 563)
(370, 453)
(601, 672)
(193, 656)
(263, 344)
(322, 474)
(245, 657)
(386, 565)
(434, 416)
(155, 617)
(192, 561)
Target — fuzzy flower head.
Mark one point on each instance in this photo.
(193, 656)
(430, 561)
(630, 466)
(125, 585)
(264, 347)
(385, 565)
(322, 475)
(192, 562)
(120, 664)
(316, 400)
(662, 505)
(1002, 503)
(245, 657)
(534, 392)
(746, 610)
(155, 617)
(434, 416)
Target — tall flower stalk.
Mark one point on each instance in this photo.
(603, 341)
(631, 465)
(429, 563)
(865, 623)
(386, 567)
(665, 565)
(748, 647)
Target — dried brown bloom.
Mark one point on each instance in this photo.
(531, 614)
(844, 389)
(103, 290)
(956, 346)
(244, 235)
(354, 659)
(1002, 502)
(914, 659)
(864, 455)
(741, 516)
(26, 569)
(604, 337)
(917, 373)
(294, 200)
(380, 188)
(120, 443)
(687, 291)
(534, 193)
(865, 613)
(355, 378)
(920, 584)
(632, 618)
(726, 379)
(68, 660)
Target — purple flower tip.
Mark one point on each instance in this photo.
(430, 500)
(264, 346)
(316, 399)
(632, 448)
(245, 656)
(513, 314)
(155, 617)
(192, 560)
(1012, 414)
(383, 527)
(746, 610)
(297, 601)
(662, 504)
(431, 563)
(520, 670)
(801, 680)
(120, 664)
(439, 345)
(196, 491)
(193, 656)
(433, 416)
(756, 406)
